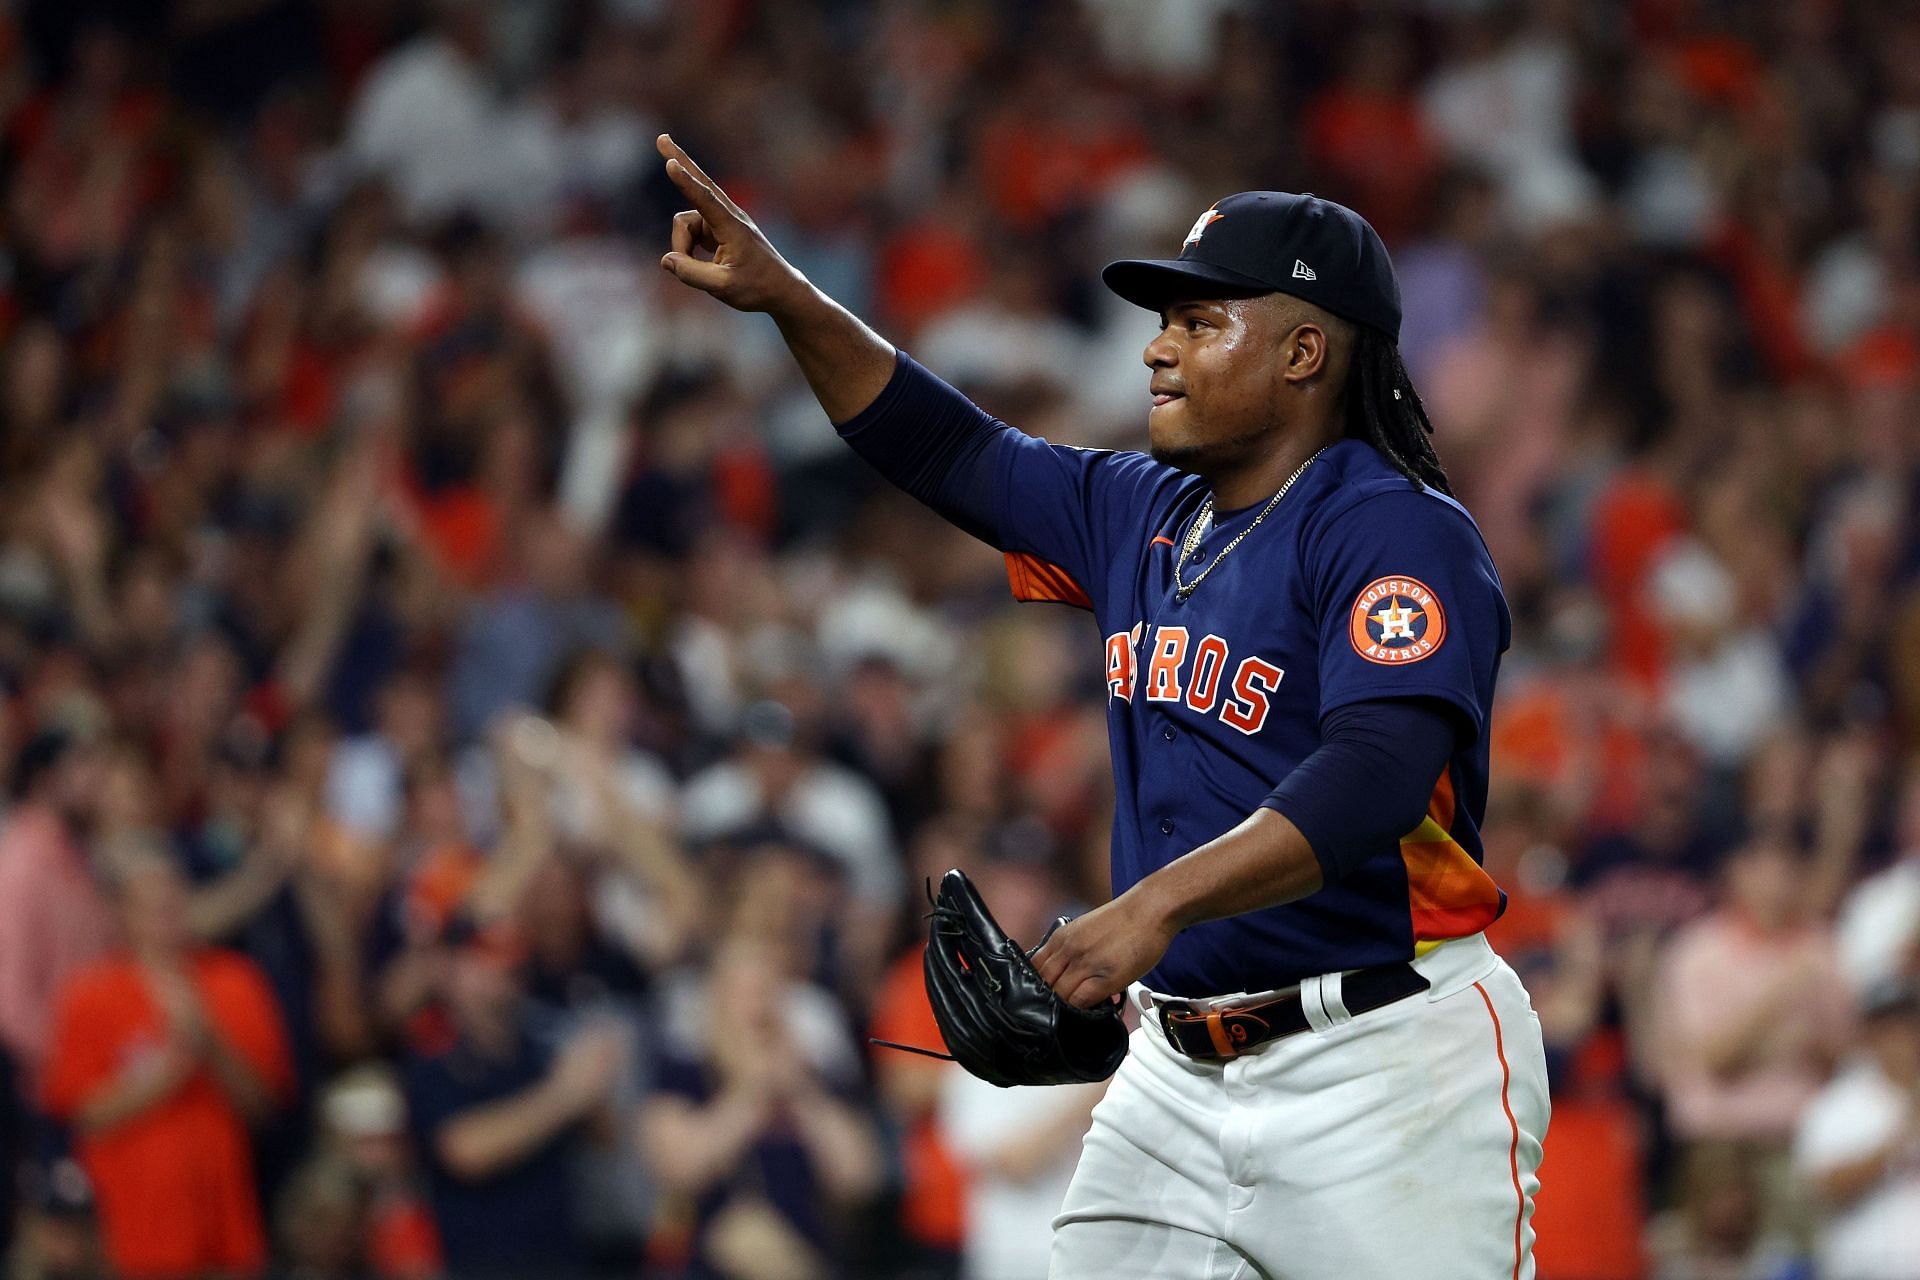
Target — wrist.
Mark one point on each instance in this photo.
(1159, 900)
(795, 302)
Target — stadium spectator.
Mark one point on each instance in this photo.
(1859, 1145)
(1879, 926)
(54, 917)
(752, 1127)
(163, 1055)
(497, 1116)
(1752, 1016)
(364, 1134)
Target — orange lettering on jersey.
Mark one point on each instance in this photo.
(1247, 707)
(1163, 673)
(1209, 661)
(1121, 667)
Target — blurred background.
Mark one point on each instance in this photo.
(473, 739)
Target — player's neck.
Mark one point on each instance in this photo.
(1237, 487)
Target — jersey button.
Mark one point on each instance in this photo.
(1166, 826)
(1168, 733)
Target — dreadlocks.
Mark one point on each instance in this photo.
(1384, 410)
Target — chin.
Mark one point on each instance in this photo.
(1169, 444)
(1191, 458)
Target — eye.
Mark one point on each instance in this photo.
(1194, 324)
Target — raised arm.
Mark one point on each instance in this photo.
(718, 250)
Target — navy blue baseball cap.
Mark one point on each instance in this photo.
(1274, 242)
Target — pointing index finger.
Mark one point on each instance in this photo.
(697, 186)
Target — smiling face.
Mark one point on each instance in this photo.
(1231, 374)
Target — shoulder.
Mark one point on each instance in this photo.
(1365, 492)
(1119, 470)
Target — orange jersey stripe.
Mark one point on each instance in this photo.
(1041, 581)
(1449, 895)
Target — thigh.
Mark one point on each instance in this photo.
(1148, 1195)
(1405, 1142)
(1123, 1249)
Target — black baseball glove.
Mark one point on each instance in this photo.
(1000, 1020)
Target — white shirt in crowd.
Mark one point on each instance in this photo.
(1876, 1237)
(1009, 1222)
(1878, 931)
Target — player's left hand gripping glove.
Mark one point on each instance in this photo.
(1000, 1020)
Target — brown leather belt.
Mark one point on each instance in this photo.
(1213, 1035)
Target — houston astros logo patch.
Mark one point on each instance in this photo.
(1397, 620)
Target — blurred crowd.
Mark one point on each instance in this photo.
(473, 740)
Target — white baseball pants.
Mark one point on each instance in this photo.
(1403, 1142)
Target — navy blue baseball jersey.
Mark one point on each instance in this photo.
(1357, 587)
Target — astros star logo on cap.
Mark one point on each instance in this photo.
(1200, 224)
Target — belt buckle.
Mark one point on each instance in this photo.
(1217, 1032)
(1215, 1022)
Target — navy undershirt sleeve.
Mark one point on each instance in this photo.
(1370, 780)
(934, 443)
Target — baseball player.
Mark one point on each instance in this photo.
(1334, 1075)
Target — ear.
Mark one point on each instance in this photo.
(1306, 352)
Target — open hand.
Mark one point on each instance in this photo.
(1094, 957)
(741, 267)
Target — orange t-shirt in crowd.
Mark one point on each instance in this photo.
(174, 1184)
(935, 1205)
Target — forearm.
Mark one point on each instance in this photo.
(524, 848)
(220, 908)
(131, 1094)
(841, 1144)
(341, 1013)
(236, 1077)
(693, 1147)
(846, 363)
(1363, 789)
(651, 855)
(479, 1143)
(1263, 862)
(1845, 1183)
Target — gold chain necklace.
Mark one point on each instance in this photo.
(1204, 521)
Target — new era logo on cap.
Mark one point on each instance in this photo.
(1301, 271)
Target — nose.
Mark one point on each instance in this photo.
(1161, 353)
